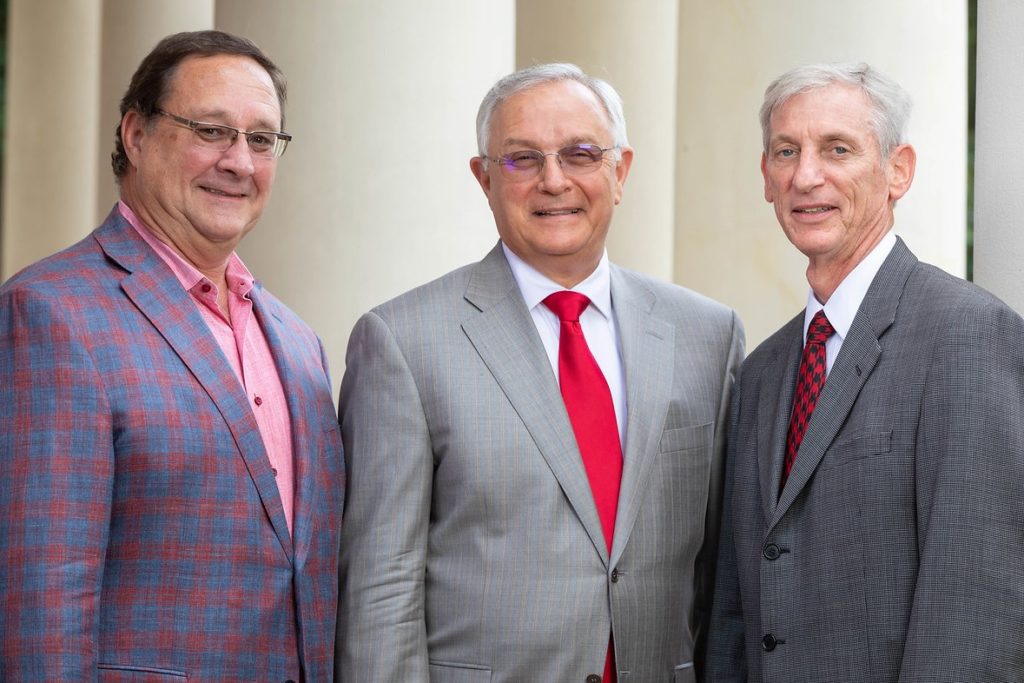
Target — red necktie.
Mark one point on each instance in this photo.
(810, 379)
(592, 415)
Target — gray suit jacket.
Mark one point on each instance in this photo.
(472, 549)
(896, 550)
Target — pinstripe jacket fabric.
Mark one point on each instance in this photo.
(896, 550)
(472, 549)
(142, 536)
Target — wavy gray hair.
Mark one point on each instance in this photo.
(532, 76)
(890, 103)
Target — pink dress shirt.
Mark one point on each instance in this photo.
(246, 349)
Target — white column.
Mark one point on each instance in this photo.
(728, 242)
(632, 45)
(374, 195)
(999, 168)
(49, 174)
(131, 28)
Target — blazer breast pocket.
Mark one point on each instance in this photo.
(445, 672)
(856, 448)
(118, 673)
(687, 438)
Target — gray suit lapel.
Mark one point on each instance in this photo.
(648, 345)
(856, 361)
(504, 335)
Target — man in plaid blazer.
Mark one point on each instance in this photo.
(172, 478)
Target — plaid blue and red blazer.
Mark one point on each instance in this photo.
(142, 536)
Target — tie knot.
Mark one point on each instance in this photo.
(568, 306)
(820, 330)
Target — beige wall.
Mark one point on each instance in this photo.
(52, 104)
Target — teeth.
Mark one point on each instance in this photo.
(820, 209)
(563, 212)
(221, 193)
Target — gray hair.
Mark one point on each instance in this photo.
(540, 74)
(890, 103)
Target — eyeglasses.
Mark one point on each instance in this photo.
(575, 160)
(262, 143)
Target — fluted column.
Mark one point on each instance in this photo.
(999, 169)
(49, 174)
(375, 194)
(728, 242)
(632, 45)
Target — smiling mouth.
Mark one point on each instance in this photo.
(816, 209)
(557, 212)
(222, 193)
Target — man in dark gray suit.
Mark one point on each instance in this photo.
(874, 525)
(494, 530)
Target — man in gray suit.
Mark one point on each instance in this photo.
(480, 543)
(894, 548)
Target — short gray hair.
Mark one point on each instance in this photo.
(890, 103)
(532, 76)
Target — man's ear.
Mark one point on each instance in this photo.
(902, 163)
(133, 125)
(478, 166)
(768, 197)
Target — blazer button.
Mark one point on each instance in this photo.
(768, 643)
(772, 552)
(593, 678)
(615, 576)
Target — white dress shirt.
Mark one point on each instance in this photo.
(844, 303)
(597, 321)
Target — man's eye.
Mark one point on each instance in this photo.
(786, 153)
(839, 149)
(523, 159)
(211, 133)
(582, 154)
(261, 141)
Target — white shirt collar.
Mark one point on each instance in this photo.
(535, 286)
(844, 303)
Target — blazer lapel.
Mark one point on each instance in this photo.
(857, 359)
(648, 345)
(504, 335)
(306, 427)
(774, 411)
(153, 288)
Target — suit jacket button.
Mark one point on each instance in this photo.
(615, 576)
(771, 552)
(768, 643)
(593, 678)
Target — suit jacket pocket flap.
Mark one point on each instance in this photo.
(858, 447)
(686, 438)
(450, 672)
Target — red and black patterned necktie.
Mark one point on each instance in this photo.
(810, 380)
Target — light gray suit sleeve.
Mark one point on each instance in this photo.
(968, 609)
(381, 629)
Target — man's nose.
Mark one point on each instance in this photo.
(238, 157)
(552, 177)
(809, 172)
